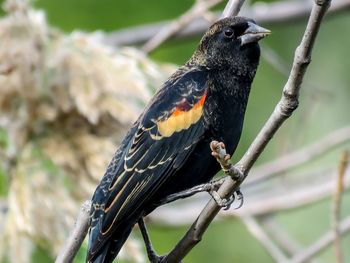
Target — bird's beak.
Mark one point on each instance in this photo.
(253, 34)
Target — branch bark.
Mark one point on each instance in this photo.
(284, 109)
(232, 8)
(77, 236)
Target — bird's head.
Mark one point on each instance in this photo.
(230, 42)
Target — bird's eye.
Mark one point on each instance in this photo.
(228, 33)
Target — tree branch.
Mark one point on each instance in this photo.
(298, 157)
(335, 215)
(169, 216)
(281, 237)
(278, 201)
(264, 13)
(197, 10)
(283, 110)
(259, 233)
(321, 243)
(232, 8)
(77, 236)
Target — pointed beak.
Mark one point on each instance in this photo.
(253, 34)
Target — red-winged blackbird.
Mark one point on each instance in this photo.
(167, 150)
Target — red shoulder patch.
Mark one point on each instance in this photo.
(181, 118)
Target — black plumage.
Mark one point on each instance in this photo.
(167, 150)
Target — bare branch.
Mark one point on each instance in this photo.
(283, 110)
(259, 233)
(77, 236)
(321, 243)
(197, 10)
(335, 215)
(264, 13)
(292, 199)
(289, 101)
(232, 8)
(294, 159)
(281, 237)
(295, 197)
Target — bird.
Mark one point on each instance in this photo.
(167, 150)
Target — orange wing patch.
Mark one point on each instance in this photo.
(181, 119)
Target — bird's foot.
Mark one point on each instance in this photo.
(222, 202)
(240, 198)
(225, 203)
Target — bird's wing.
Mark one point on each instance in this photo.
(156, 147)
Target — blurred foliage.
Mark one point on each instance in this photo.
(66, 101)
(323, 108)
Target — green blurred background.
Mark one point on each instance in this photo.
(324, 107)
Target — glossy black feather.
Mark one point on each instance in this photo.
(142, 163)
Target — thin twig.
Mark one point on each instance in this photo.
(283, 110)
(295, 159)
(77, 236)
(321, 243)
(264, 13)
(295, 197)
(335, 215)
(232, 8)
(259, 233)
(199, 8)
(281, 237)
(289, 101)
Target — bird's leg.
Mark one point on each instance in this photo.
(226, 203)
(186, 193)
(237, 194)
(152, 255)
(211, 188)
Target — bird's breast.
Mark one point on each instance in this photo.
(224, 114)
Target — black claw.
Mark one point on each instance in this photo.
(240, 198)
(226, 203)
(229, 202)
(222, 202)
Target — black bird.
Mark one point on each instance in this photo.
(167, 149)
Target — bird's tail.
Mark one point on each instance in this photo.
(108, 252)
